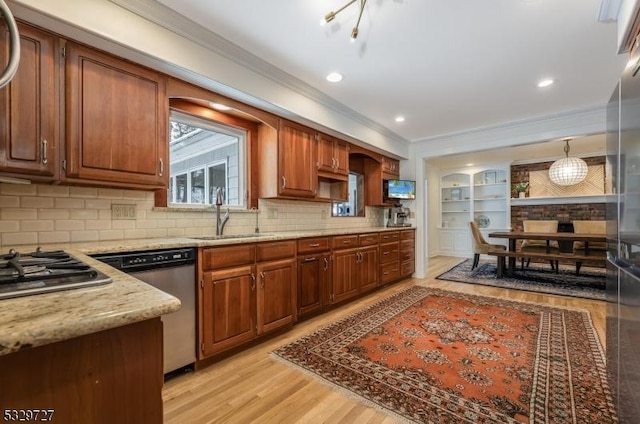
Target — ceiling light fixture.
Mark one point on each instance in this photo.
(331, 16)
(545, 83)
(334, 77)
(219, 106)
(399, 119)
(568, 171)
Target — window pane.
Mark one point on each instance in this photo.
(197, 186)
(181, 188)
(212, 155)
(218, 179)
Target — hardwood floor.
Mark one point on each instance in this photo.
(253, 387)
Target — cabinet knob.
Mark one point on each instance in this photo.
(253, 281)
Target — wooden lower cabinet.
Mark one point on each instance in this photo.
(241, 302)
(314, 275)
(407, 252)
(354, 271)
(113, 376)
(276, 297)
(227, 305)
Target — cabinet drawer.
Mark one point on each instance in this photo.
(389, 252)
(388, 236)
(313, 244)
(368, 239)
(407, 234)
(275, 250)
(222, 257)
(389, 272)
(407, 245)
(406, 255)
(343, 242)
(407, 268)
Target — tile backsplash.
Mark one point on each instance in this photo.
(40, 214)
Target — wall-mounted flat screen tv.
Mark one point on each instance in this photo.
(401, 189)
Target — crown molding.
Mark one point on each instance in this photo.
(171, 20)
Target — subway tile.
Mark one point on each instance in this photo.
(123, 224)
(13, 239)
(37, 225)
(97, 224)
(36, 202)
(69, 203)
(83, 214)
(7, 226)
(9, 201)
(69, 225)
(84, 192)
(175, 232)
(133, 194)
(147, 223)
(110, 193)
(53, 190)
(98, 204)
(134, 234)
(54, 237)
(18, 189)
(111, 234)
(18, 213)
(157, 232)
(88, 235)
(53, 213)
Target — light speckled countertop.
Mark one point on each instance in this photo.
(41, 319)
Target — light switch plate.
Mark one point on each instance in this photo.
(123, 211)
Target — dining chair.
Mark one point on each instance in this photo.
(596, 248)
(543, 246)
(480, 245)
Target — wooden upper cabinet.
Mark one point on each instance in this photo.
(296, 160)
(29, 107)
(116, 120)
(333, 157)
(390, 167)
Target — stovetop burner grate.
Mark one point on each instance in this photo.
(44, 271)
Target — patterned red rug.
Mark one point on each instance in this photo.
(433, 356)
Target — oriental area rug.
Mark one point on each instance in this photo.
(433, 356)
(538, 277)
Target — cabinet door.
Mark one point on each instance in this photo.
(326, 158)
(116, 120)
(391, 167)
(276, 301)
(341, 154)
(29, 104)
(226, 309)
(368, 268)
(310, 284)
(345, 281)
(296, 160)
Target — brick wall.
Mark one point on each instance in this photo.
(563, 213)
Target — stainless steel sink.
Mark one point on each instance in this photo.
(231, 236)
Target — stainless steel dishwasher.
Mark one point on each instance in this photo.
(173, 271)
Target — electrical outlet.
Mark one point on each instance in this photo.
(123, 211)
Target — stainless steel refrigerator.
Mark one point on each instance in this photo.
(623, 256)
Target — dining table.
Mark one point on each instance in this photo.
(514, 236)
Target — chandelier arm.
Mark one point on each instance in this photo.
(342, 8)
(362, 4)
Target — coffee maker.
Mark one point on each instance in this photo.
(398, 217)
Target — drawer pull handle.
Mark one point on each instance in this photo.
(314, 245)
(43, 153)
(310, 259)
(326, 263)
(346, 241)
(253, 281)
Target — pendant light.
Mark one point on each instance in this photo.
(568, 171)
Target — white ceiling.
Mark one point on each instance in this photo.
(446, 65)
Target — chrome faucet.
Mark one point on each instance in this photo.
(220, 222)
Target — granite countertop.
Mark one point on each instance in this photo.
(36, 320)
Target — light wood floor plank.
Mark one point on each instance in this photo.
(253, 387)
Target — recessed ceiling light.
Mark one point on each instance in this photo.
(219, 106)
(469, 164)
(545, 83)
(399, 119)
(334, 77)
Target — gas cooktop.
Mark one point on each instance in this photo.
(24, 274)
